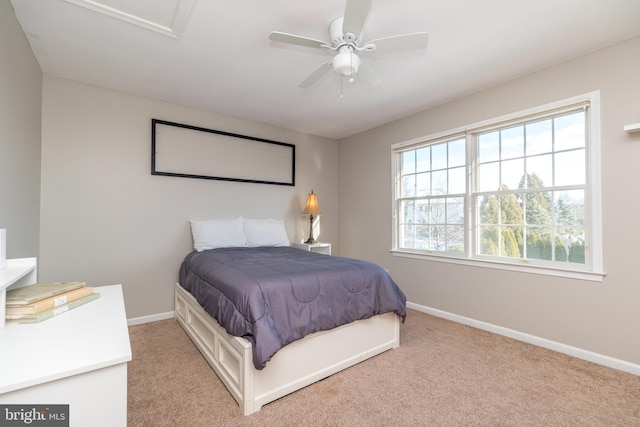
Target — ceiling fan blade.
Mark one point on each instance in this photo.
(316, 75)
(355, 15)
(400, 43)
(277, 36)
(368, 75)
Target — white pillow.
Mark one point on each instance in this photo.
(217, 233)
(265, 232)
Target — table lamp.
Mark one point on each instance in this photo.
(312, 208)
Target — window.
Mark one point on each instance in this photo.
(432, 196)
(518, 192)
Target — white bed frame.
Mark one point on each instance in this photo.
(295, 366)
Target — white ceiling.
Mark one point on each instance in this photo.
(216, 55)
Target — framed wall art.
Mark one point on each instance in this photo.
(194, 152)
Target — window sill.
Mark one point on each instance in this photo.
(533, 269)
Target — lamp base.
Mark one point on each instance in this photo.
(310, 240)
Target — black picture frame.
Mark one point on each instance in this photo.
(187, 151)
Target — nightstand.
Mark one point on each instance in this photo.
(321, 248)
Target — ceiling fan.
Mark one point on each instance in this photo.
(345, 34)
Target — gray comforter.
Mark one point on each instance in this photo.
(276, 295)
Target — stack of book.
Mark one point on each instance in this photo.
(42, 301)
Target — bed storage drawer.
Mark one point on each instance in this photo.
(226, 357)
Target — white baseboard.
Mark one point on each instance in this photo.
(151, 318)
(590, 356)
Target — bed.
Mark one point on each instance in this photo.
(273, 319)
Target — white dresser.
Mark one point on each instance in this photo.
(77, 358)
(18, 272)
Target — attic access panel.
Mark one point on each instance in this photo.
(195, 152)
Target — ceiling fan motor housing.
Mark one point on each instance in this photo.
(337, 36)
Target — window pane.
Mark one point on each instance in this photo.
(539, 137)
(488, 242)
(488, 147)
(560, 250)
(512, 142)
(422, 212)
(423, 184)
(407, 236)
(408, 160)
(570, 131)
(455, 210)
(509, 246)
(437, 211)
(457, 156)
(570, 217)
(421, 237)
(539, 243)
(489, 177)
(438, 238)
(488, 209)
(570, 168)
(406, 211)
(408, 186)
(574, 245)
(510, 209)
(457, 181)
(439, 182)
(569, 211)
(423, 160)
(512, 173)
(539, 171)
(439, 156)
(455, 238)
(538, 208)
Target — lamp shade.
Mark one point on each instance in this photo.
(312, 207)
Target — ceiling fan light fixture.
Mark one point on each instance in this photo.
(346, 63)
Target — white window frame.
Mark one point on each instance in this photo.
(592, 270)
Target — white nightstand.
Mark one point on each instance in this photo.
(321, 248)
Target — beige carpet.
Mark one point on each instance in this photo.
(443, 374)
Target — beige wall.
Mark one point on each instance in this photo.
(600, 317)
(20, 101)
(105, 219)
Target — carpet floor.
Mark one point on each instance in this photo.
(443, 374)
